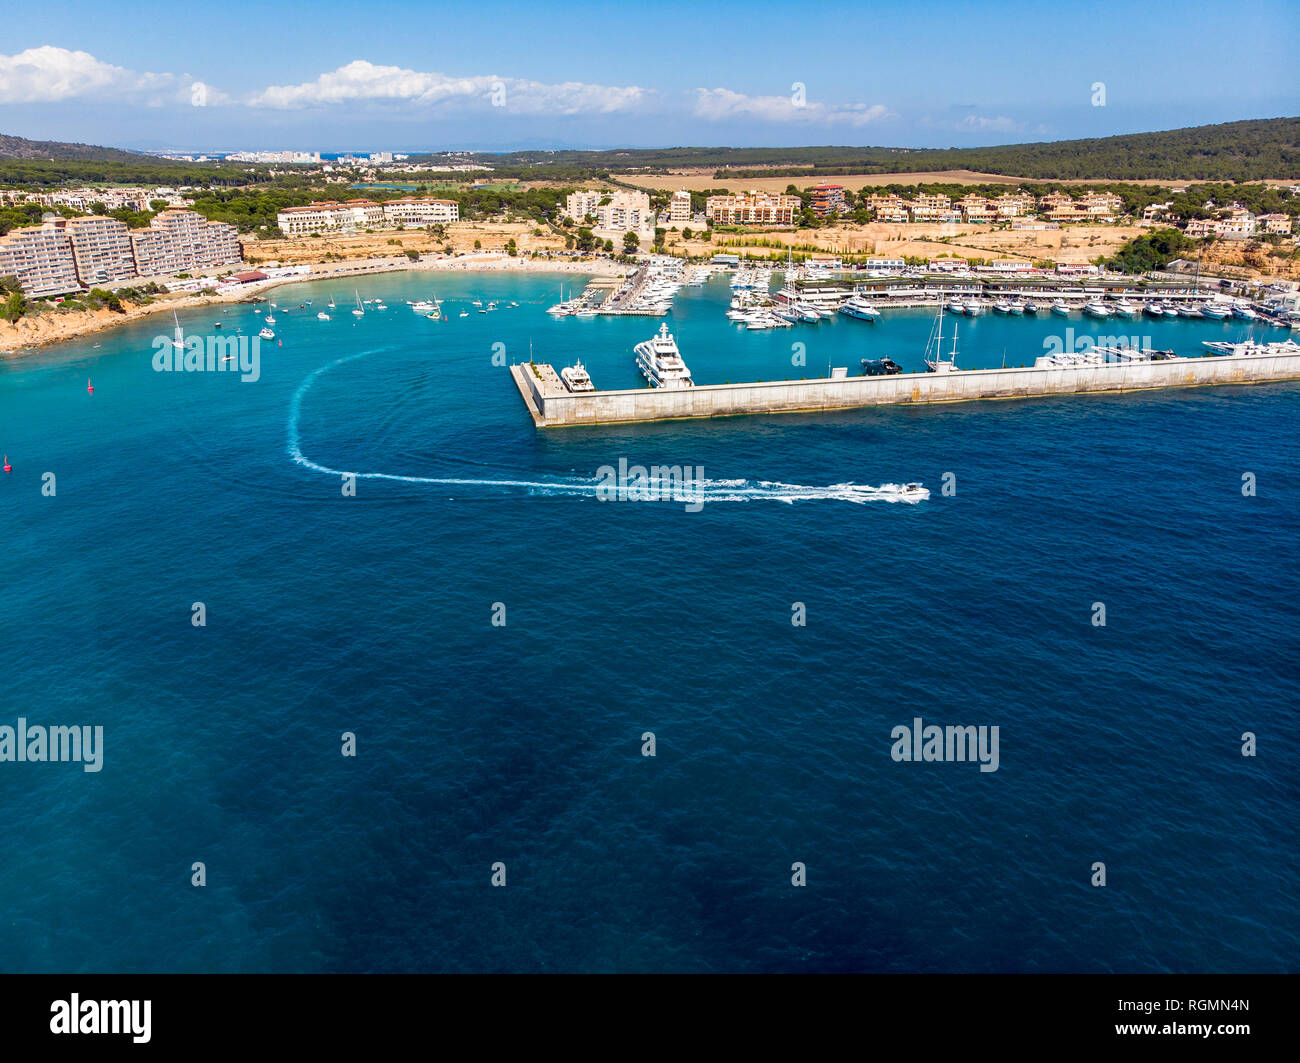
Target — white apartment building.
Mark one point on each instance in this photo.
(417, 212)
(619, 211)
(101, 250)
(1240, 224)
(679, 209)
(40, 256)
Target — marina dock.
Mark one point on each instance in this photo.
(552, 405)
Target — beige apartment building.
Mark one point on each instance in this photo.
(178, 241)
(101, 249)
(40, 256)
(753, 208)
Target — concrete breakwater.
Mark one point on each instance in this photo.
(551, 404)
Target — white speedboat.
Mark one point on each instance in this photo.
(1002, 307)
(956, 306)
(1126, 309)
(576, 378)
(1190, 311)
(267, 334)
(1060, 306)
(1017, 308)
(1244, 312)
(1218, 311)
(1155, 309)
(661, 362)
(1097, 308)
(322, 316)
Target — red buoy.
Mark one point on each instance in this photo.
(90, 387)
(8, 467)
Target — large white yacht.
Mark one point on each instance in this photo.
(661, 363)
(576, 378)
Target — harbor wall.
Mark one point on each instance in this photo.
(552, 407)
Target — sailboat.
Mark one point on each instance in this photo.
(178, 337)
(938, 364)
(270, 317)
(358, 312)
(332, 303)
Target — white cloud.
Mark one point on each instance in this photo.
(721, 104)
(361, 81)
(978, 123)
(52, 75)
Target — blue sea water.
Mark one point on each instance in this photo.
(522, 744)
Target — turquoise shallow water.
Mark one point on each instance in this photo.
(522, 743)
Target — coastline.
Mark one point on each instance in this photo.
(29, 335)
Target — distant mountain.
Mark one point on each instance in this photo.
(19, 148)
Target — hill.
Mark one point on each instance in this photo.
(1233, 151)
(19, 148)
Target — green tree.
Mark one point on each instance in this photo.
(631, 241)
(13, 307)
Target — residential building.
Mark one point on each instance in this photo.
(1201, 227)
(753, 208)
(40, 256)
(1239, 225)
(888, 207)
(178, 241)
(1279, 224)
(679, 209)
(1014, 204)
(617, 211)
(978, 208)
(932, 207)
(827, 200)
(101, 250)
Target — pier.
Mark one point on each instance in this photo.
(552, 405)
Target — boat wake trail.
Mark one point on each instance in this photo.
(694, 489)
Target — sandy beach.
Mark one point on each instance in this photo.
(33, 331)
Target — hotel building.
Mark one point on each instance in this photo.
(352, 216)
(753, 208)
(101, 250)
(40, 256)
(420, 212)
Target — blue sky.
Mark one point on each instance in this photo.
(334, 76)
